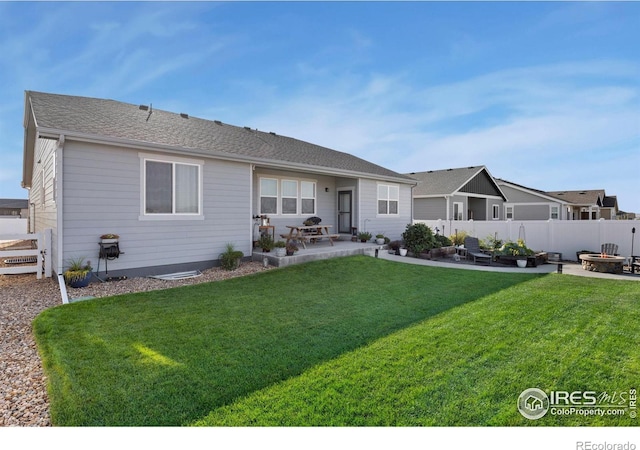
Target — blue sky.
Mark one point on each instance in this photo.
(544, 94)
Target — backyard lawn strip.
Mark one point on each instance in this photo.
(370, 342)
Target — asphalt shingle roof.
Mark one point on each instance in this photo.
(589, 197)
(117, 120)
(443, 182)
(13, 203)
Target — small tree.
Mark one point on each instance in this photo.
(418, 238)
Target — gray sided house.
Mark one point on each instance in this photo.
(588, 204)
(177, 189)
(468, 193)
(11, 207)
(531, 204)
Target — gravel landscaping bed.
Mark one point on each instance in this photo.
(23, 396)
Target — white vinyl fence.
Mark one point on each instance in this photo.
(40, 251)
(564, 236)
(12, 225)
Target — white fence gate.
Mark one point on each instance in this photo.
(41, 250)
(563, 236)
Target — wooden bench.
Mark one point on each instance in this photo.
(316, 237)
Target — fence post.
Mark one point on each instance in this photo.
(39, 259)
(47, 253)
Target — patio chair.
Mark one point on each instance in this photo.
(473, 250)
(609, 249)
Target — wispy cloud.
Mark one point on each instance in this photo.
(541, 126)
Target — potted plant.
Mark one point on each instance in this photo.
(291, 248)
(518, 250)
(281, 248)
(266, 243)
(109, 238)
(380, 239)
(364, 236)
(403, 251)
(394, 247)
(230, 259)
(78, 274)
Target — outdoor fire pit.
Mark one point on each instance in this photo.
(602, 263)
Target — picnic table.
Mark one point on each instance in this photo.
(309, 233)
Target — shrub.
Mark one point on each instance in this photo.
(458, 238)
(515, 249)
(442, 240)
(418, 238)
(364, 236)
(230, 259)
(266, 242)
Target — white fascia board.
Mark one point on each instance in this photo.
(472, 194)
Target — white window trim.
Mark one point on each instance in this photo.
(314, 198)
(297, 197)
(460, 210)
(144, 157)
(388, 199)
(551, 208)
(260, 196)
(508, 209)
(280, 196)
(495, 212)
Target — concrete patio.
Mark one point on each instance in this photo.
(320, 250)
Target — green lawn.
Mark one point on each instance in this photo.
(352, 341)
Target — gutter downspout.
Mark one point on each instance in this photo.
(252, 168)
(58, 179)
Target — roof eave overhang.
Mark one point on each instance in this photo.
(533, 192)
(151, 146)
(28, 149)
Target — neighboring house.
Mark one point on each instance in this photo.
(177, 189)
(14, 207)
(468, 193)
(588, 205)
(623, 215)
(531, 204)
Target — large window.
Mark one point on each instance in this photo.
(388, 199)
(171, 188)
(268, 196)
(287, 196)
(307, 197)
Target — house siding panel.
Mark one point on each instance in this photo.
(481, 184)
(325, 201)
(392, 225)
(102, 195)
(42, 194)
(531, 212)
(430, 209)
